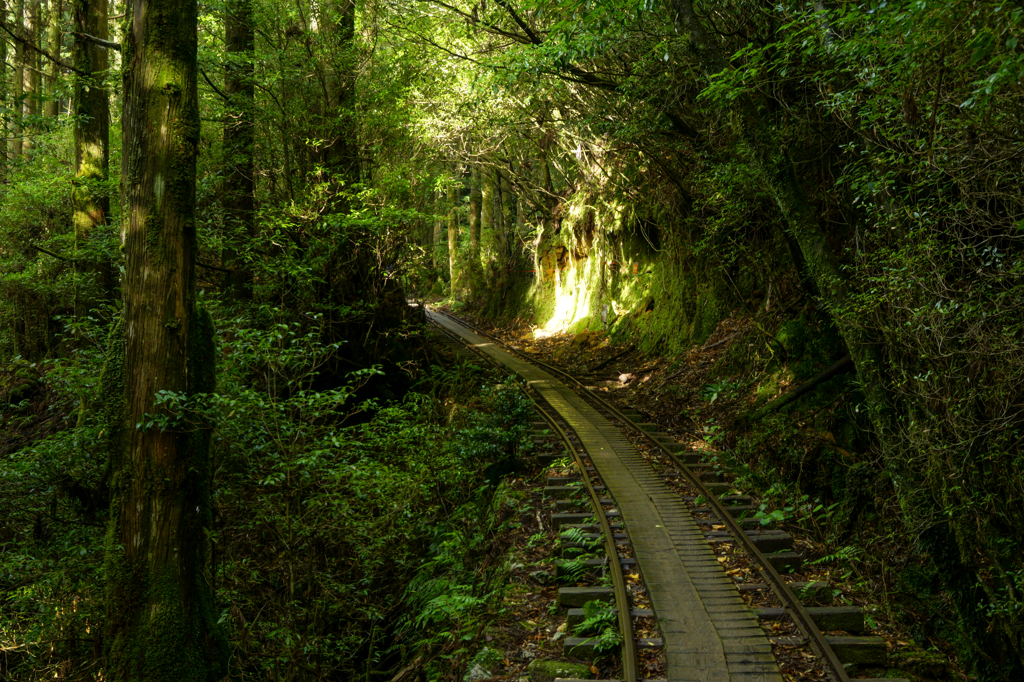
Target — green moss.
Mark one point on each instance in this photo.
(581, 325)
(812, 342)
(546, 670)
(770, 387)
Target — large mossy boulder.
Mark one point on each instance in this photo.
(547, 670)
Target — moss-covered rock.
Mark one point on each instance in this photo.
(547, 670)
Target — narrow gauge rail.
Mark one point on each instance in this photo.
(628, 654)
(710, 634)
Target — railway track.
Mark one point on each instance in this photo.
(709, 633)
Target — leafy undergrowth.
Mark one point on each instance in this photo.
(352, 539)
(807, 475)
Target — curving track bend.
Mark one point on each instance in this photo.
(710, 634)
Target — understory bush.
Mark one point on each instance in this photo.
(349, 535)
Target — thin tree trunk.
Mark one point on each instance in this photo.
(18, 82)
(342, 152)
(435, 251)
(239, 162)
(507, 205)
(52, 101)
(4, 87)
(486, 211)
(453, 235)
(161, 622)
(34, 33)
(474, 217)
(90, 195)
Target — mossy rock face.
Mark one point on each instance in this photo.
(546, 670)
(580, 326)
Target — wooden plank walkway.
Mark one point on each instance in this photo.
(710, 634)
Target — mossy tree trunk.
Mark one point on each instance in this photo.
(90, 193)
(239, 161)
(161, 622)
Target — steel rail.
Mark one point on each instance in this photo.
(630, 664)
(797, 611)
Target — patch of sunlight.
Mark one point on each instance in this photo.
(573, 296)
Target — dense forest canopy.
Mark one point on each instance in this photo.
(847, 176)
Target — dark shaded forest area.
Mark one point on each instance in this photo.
(216, 404)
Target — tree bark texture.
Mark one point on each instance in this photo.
(239, 161)
(160, 615)
(90, 195)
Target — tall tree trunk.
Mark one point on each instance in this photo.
(473, 269)
(342, 152)
(5, 122)
(239, 162)
(18, 82)
(453, 235)
(162, 626)
(90, 195)
(53, 34)
(474, 217)
(34, 33)
(506, 205)
(487, 211)
(520, 218)
(435, 250)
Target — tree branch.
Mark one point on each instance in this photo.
(29, 44)
(844, 364)
(109, 44)
(55, 255)
(534, 38)
(206, 78)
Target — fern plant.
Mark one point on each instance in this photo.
(599, 625)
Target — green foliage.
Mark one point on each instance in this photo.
(52, 513)
(601, 624)
(727, 388)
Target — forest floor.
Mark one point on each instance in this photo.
(678, 393)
